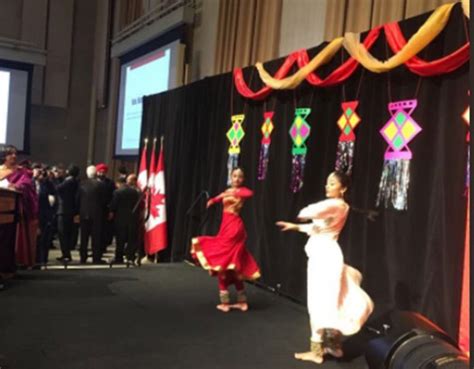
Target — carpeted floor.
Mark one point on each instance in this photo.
(158, 316)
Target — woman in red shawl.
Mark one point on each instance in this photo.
(15, 177)
(225, 254)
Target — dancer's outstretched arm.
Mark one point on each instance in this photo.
(307, 228)
(287, 226)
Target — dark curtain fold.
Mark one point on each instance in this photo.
(410, 259)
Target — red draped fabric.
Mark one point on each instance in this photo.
(396, 41)
(443, 65)
(301, 57)
(244, 90)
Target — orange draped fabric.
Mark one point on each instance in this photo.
(419, 66)
(404, 53)
(301, 57)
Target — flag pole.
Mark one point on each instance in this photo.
(146, 144)
(150, 171)
(152, 153)
(155, 255)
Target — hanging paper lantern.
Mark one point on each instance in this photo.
(267, 128)
(299, 133)
(345, 146)
(398, 132)
(466, 118)
(235, 134)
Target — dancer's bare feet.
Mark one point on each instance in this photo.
(223, 307)
(309, 356)
(243, 306)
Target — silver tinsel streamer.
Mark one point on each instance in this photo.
(232, 162)
(468, 167)
(344, 155)
(263, 162)
(393, 186)
(297, 172)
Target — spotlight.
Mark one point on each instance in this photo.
(407, 340)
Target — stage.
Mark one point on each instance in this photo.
(156, 316)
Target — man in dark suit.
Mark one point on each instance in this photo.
(92, 213)
(66, 209)
(46, 210)
(126, 216)
(108, 233)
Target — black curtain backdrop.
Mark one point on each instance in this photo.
(410, 259)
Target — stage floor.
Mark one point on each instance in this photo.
(156, 316)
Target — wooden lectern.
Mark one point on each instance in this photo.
(9, 213)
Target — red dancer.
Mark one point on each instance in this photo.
(225, 254)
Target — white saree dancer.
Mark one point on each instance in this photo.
(335, 299)
(336, 303)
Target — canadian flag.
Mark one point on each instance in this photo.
(155, 227)
(143, 171)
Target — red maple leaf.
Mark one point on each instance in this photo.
(156, 200)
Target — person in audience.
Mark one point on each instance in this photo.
(125, 214)
(92, 204)
(119, 183)
(143, 258)
(46, 204)
(122, 172)
(26, 164)
(15, 177)
(108, 233)
(336, 304)
(58, 174)
(55, 181)
(225, 255)
(132, 181)
(67, 192)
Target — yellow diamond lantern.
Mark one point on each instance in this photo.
(267, 128)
